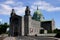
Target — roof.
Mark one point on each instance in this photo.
(46, 20)
(38, 12)
(37, 15)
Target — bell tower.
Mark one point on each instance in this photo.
(15, 24)
(27, 21)
(13, 12)
(27, 11)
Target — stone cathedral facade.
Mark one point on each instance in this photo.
(28, 25)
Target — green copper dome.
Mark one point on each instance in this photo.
(37, 15)
(37, 12)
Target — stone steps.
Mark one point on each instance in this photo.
(29, 38)
(43, 38)
(25, 38)
(10, 38)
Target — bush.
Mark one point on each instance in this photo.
(57, 35)
(3, 28)
(49, 31)
(56, 30)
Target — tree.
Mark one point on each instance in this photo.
(56, 30)
(58, 33)
(3, 28)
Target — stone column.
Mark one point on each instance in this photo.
(45, 31)
(22, 26)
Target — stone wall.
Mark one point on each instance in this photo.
(36, 26)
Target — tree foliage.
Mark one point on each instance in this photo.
(57, 30)
(49, 31)
(3, 28)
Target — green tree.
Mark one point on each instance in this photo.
(3, 28)
(56, 30)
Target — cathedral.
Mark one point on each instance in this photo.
(29, 25)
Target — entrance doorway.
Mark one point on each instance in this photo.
(41, 31)
(15, 33)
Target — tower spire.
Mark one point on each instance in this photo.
(13, 12)
(37, 7)
(27, 11)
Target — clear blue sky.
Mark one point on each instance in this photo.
(49, 8)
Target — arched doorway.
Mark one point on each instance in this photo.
(42, 31)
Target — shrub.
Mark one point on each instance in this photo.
(57, 35)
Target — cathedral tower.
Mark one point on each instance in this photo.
(13, 12)
(15, 24)
(27, 21)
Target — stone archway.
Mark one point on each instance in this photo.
(42, 31)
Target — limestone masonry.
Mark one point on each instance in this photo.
(28, 25)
